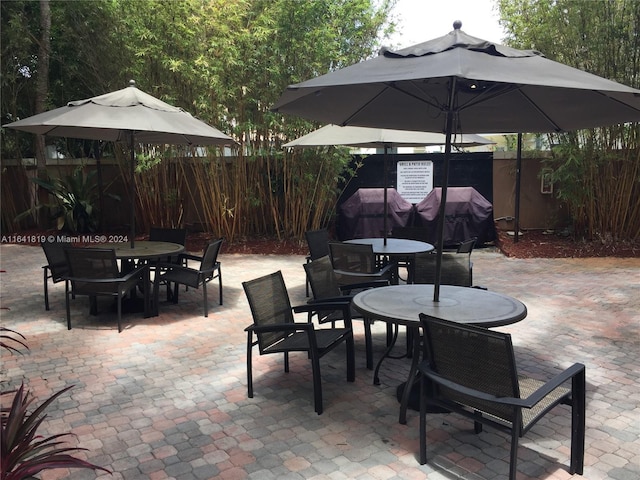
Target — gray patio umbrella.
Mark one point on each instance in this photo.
(128, 115)
(381, 138)
(462, 84)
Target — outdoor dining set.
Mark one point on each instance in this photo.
(457, 363)
(94, 271)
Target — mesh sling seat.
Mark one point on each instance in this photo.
(471, 371)
(56, 267)
(356, 263)
(94, 272)
(178, 274)
(277, 332)
(325, 288)
(457, 268)
(318, 243)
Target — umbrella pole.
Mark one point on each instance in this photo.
(443, 198)
(517, 203)
(133, 191)
(386, 206)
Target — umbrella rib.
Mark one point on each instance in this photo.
(543, 114)
(416, 97)
(498, 90)
(358, 110)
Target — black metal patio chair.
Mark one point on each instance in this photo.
(457, 267)
(318, 243)
(94, 272)
(56, 267)
(472, 371)
(209, 269)
(172, 235)
(325, 288)
(357, 263)
(278, 332)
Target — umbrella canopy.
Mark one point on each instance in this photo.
(462, 84)
(128, 115)
(379, 137)
(497, 89)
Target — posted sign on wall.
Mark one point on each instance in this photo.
(415, 179)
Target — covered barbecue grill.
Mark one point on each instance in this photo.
(362, 214)
(467, 214)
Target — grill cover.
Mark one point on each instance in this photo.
(467, 214)
(362, 214)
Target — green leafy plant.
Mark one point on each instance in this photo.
(23, 452)
(9, 342)
(75, 197)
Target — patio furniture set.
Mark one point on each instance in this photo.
(459, 364)
(119, 270)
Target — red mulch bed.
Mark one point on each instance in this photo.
(539, 244)
(531, 244)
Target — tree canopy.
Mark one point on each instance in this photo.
(597, 171)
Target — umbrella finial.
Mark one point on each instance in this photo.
(457, 25)
(132, 83)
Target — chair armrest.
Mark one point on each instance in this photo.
(188, 256)
(343, 305)
(358, 286)
(528, 402)
(362, 277)
(135, 273)
(177, 266)
(323, 306)
(343, 299)
(125, 278)
(279, 327)
(425, 369)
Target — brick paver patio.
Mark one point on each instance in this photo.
(166, 398)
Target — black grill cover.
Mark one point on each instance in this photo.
(362, 214)
(467, 214)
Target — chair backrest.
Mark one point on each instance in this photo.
(318, 243)
(456, 269)
(474, 357)
(92, 263)
(467, 246)
(322, 278)
(352, 257)
(173, 235)
(270, 305)
(210, 255)
(56, 259)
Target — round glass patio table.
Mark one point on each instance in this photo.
(143, 250)
(400, 250)
(394, 246)
(403, 304)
